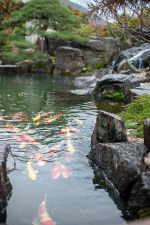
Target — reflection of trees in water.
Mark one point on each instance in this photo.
(5, 185)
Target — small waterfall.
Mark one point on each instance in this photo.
(139, 64)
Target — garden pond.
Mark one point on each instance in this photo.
(49, 131)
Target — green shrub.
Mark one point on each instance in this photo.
(100, 65)
(68, 36)
(116, 95)
(23, 44)
(135, 114)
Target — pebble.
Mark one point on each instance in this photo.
(147, 161)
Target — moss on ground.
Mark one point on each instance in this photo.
(135, 114)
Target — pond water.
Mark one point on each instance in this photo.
(53, 181)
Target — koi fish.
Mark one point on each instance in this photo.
(12, 128)
(23, 145)
(40, 159)
(20, 119)
(52, 154)
(26, 138)
(78, 121)
(38, 117)
(49, 120)
(44, 217)
(65, 130)
(21, 114)
(9, 126)
(68, 130)
(70, 147)
(32, 174)
(60, 170)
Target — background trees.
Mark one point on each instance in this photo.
(131, 16)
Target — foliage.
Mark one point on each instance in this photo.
(22, 55)
(45, 14)
(116, 95)
(100, 65)
(100, 30)
(134, 21)
(135, 114)
(84, 30)
(67, 36)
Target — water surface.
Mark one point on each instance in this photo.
(73, 197)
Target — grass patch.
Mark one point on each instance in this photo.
(135, 114)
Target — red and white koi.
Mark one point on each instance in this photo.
(60, 170)
(40, 159)
(26, 138)
(43, 216)
(68, 130)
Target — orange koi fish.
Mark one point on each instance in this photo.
(40, 159)
(38, 117)
(9, 126)
(26, 138)
(49, 120)
(12, 128)
(60, 170)
(44, 217)
(21, 114)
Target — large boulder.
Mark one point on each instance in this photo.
(69, 61)
(84, 85)
(135, 58)
(9, 69)
(112, 86)
(144, 89)
(121, 163)
(100, 51)
(24, 66)
(139, 198)
(109, 128)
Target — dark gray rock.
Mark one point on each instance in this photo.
(119, 82)
(131, 52)
(85, 81)
(109, 128)
(69, 61)
(142, 90)
(24, 66)
(139, 198)
(9, 69)
(135, 58)
(121, 162)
